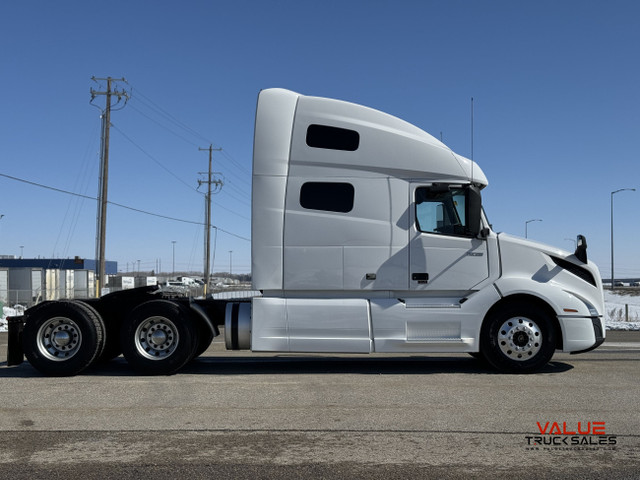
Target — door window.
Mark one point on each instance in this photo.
(441, 210)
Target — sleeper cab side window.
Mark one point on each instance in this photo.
(441, 210)
(332, 138)
(327, 196)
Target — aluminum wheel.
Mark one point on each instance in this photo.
(59, 339)
(520, 338)
(157, 338)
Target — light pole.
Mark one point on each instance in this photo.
(613, 282)
(526, 226)
(21, 251)
(230, 262)
(174, 256)
(575, 242)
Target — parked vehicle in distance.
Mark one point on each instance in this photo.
(368, 236)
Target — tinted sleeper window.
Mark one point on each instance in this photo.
(330, 197)
(332, 138)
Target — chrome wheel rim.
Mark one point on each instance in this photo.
(59, 339)
(520, 339)
(157, 338)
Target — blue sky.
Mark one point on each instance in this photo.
(555, 88)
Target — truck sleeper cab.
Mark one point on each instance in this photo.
(368, 236)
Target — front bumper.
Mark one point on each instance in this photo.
(598, 331)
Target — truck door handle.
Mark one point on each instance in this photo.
(420, 277)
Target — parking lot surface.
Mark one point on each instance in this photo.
(243, 415)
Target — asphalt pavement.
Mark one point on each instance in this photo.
(243, 415)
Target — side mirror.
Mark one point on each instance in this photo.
(581, 249)
(474, 211)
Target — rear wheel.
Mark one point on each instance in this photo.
(105, 336)
(518, 339)
(62, 338)
(205, 337)
(158, 338)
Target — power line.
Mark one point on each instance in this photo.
(178, 178)
(173, 132)
(235, 197)
(156, 161)
(217, 204)
(234, 161)
(149, 103)
(67, 192)
(74, 206)
(154, 106)
(161, 165)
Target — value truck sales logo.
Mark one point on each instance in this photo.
(571, 436)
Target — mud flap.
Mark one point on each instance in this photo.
(15, 355)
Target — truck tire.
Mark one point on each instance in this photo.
(205, 337)
(518, 339)
(158, 338)
(105, 336)
(112, 342)
(62, 338)
(111, 348)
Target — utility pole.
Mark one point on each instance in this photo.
(173, 272)
(613, 281)
(101, 227)
(207, 213)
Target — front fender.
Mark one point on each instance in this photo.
(562, 302)
(579, 320)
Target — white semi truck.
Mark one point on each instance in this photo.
(368, 236)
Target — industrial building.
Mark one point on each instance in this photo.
(76, 263)
(27, 281)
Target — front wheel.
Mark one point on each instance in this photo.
(158, 338)
(518, 339)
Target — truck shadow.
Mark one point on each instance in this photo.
(291, 365)
(302, 365)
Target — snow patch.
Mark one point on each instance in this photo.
(9, 312)
(615, 306)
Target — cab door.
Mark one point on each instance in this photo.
(443, 254)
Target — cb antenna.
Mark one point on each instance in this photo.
(472, 140)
